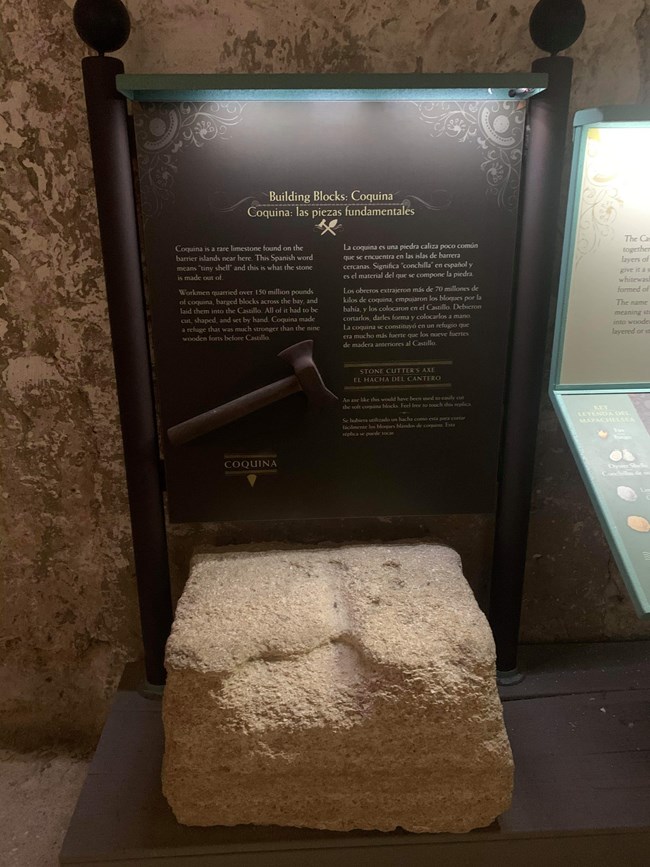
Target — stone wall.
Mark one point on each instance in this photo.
(69, 610)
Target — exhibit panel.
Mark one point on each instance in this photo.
(600, 382)
(330, 272)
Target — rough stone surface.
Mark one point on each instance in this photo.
(335, 688)
(38, 793)
(69, 612)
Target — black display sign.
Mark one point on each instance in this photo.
(330, 286)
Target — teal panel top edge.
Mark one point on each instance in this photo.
(612, 114)
(601, 388)
(381, 86)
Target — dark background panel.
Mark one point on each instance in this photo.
(328, 146)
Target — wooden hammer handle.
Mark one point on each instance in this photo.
(229, 412)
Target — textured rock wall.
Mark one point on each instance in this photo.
(69, 614)
(67, 611)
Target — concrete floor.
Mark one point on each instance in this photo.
(38, 793)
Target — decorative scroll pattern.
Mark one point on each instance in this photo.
(600, 204)
(495, 128)
(163, 129)
(441, 199)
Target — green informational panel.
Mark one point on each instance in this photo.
(600, 377)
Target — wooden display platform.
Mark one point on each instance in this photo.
(579, 725)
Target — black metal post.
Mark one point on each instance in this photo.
(540, 212)
(109, 142)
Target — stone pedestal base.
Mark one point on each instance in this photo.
(333, 688)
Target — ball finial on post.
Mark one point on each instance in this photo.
(104, 25)
(556, 24)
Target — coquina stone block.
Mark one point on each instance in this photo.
(339, 688)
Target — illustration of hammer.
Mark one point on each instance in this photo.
(305, 378)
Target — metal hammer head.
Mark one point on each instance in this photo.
(301, 357)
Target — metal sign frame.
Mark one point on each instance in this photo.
(111, 153)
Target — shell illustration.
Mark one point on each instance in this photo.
(616, 455)
(626, 493)
(638, 523)
(628, 456)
